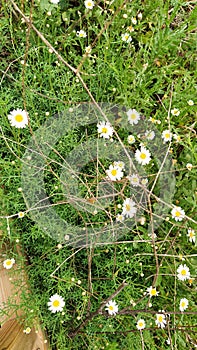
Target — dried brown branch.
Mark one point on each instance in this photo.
(98, 311)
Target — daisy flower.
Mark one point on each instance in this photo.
(88, 49)
(177, 137)
(166, 135)
(144, 181)
(190, 103)
(130, 28)
(81, 33)
(119, 164)
(114, 173)
(175, 111)
(191, 234)
(56, 303)
(143, 156)
(183, 272)
(150, 135)
(89, 4)
(178, 213)
(8, 263)
(152, 291)
(126, 37)
(160, 320)
(154, 121)
(111, 307)
(131, 139)
(55, 1)
(183, 304)
(119, 218)
(133, 116)
(189, 166)
(105, 130)
(134, 180)
(21, 214)
(27, 330)
(134, 20)
(140, 324)
(18, 118)
(129, 208)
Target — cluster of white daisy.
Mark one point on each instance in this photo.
(128, 210)
(160, 322)
(135, 180)
(126, 36)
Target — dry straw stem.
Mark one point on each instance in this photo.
(12, 336)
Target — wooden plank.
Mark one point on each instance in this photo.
(12, 336)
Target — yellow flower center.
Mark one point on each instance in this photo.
(56, 303)
(140, 324)
(183, 304)
(18, 118)
(89, 4)
(167, 136)
(177, 213)
(183, 272)
(111, 307)
(133, 116)
(104, 130)
(128, 207)
(160, 318)
(8, 262)
(143, 156)
(153, 292)
(114, 172)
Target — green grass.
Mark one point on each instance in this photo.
(153, 74)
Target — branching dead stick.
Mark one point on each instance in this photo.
(98, 311)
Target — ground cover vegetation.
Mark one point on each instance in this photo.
(98, 170)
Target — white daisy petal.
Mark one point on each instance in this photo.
(140, 324)
(111, 307)
(105, 130)
(8, 263)
(129, 208)
(183, 272)
(133, 116)
(89, 4)
(178, 213)
(114, 173)
(160, 320)
(183, 304)
(18, 118)
(126, 37)
(166, 135)
(56, 303)
(143, 156)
